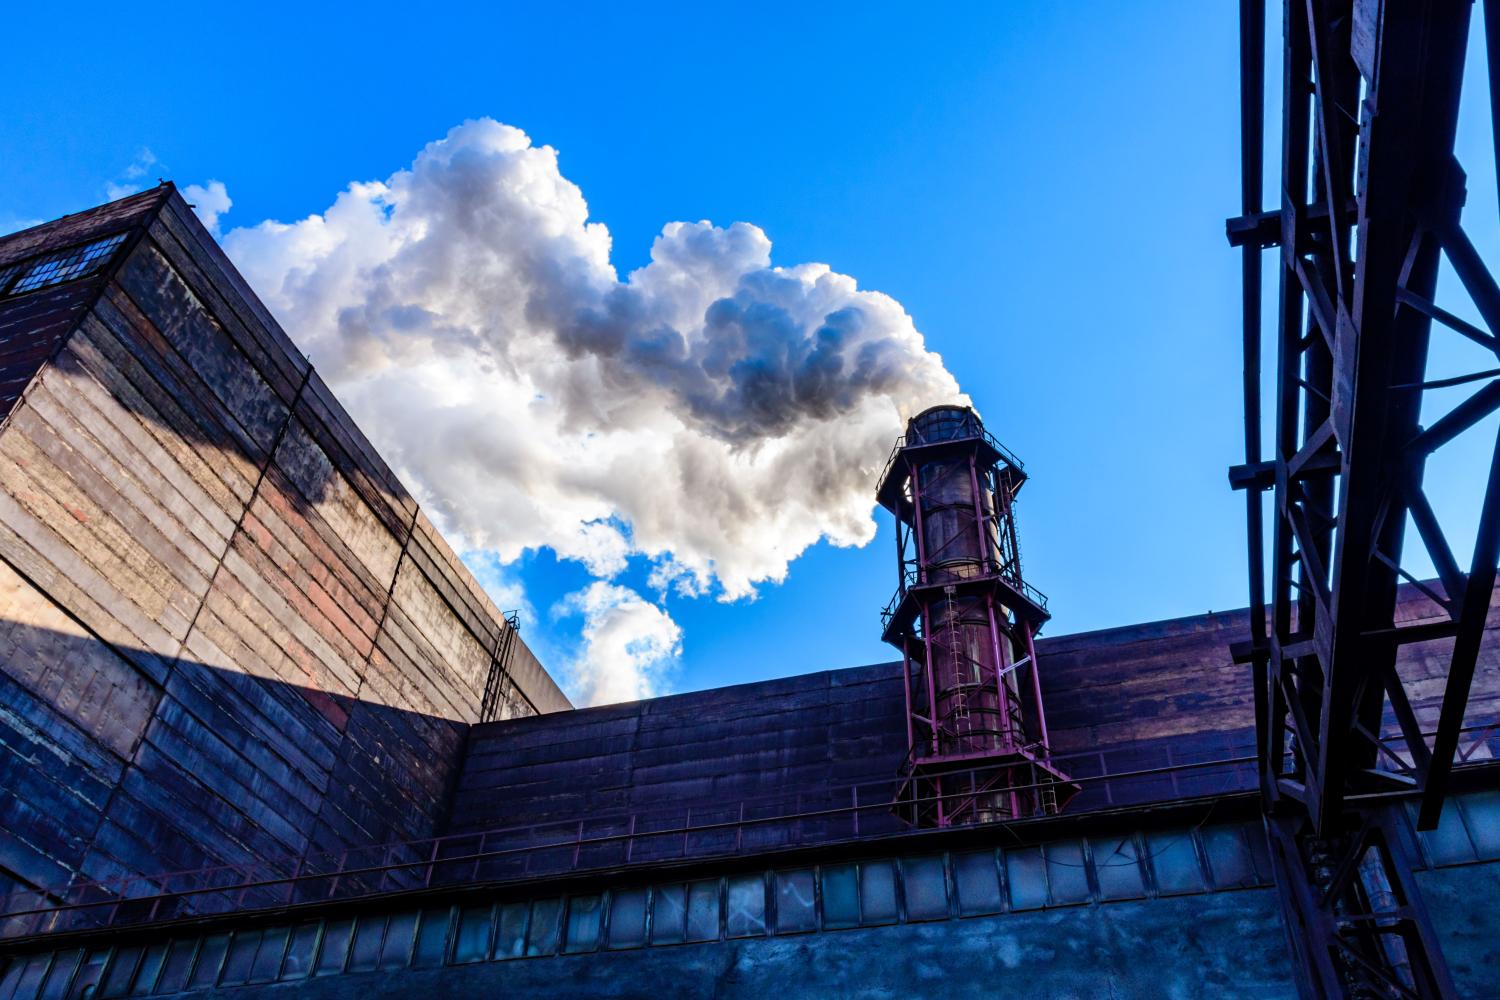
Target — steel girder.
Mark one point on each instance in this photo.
(1370, 202)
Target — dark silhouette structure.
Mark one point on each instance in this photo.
(1371, 200)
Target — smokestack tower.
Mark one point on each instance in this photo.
(964, 621)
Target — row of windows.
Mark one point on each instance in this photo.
(794, 901)
(58, 267)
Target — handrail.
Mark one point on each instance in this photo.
(148, 898)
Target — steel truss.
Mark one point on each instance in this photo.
(1371, 199)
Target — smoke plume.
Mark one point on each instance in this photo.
(709, 412)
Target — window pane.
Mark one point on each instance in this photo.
(703, 911)
(93, 967)
(299, 954)
(840, 897)
(432, 938)
(1229, 857)
(60, 974)
(583, 924)
(174, 972)
(1026, 876)
(1067, 873)
(747, 906)
(926, 888)
(268, 957)
(1117, 865)
(796, 905)
(877, 892)
(1174, 861)
(472, 942)
(546, 920)
(627, 918)
(398, 937)
(364, 954)
(668, 914)
(210, 959)
(510, 931)
(145, 976)
(978, 883)
(334, 948)
(1482, 810)
(116, 980)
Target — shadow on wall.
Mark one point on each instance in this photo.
(108, 772)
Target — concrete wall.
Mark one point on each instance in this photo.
(227, 634)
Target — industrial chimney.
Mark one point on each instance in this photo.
(964, 621)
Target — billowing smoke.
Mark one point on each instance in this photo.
(711, 413)
(629, 644)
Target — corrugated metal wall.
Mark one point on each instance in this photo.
(227, 633)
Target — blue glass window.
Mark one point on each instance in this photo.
(583, 924)
(510, 929)
(1482, 810)
(977, 880)
(1174, 861)
(432, 938)
(840, 897)
(796, 903)
(546, 922)
(1117, 866)
(1026, 877)
(267, 964)
(116, 979)
(472, 942)
(299, 952)
(668, 914)
(877, 892)
(926, 887)
(364, 954)
(144, 983)
(703, 911)
(745, 913)
(396, 951)
(178, 964)
(210, 959)
(627, 918)
(1229, 857)
(60, 975)
(1067, 873)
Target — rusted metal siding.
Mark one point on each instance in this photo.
(226, 633)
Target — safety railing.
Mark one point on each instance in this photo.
(837, 814)
(1128, 776)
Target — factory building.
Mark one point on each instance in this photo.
(263, 732)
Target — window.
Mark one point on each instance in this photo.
(703, 911)
(627, 918)
(1229, 857)
(926, 888)
(978, 883)
(1175, 861)
(473, 941)
(1066, 872)
(1026, 875)
(583, 924)
(840, 897)
(510, 935)
(745, 914)
(795, 903)
(546, 921)
(58, 267)
(1117, 865)
(668, 914)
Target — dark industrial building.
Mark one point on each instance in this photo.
(261, 732)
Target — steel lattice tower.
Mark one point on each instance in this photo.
(964, 621)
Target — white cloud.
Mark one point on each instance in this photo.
(208, 202)
(712, 412)
(629, 645)
(133, 177)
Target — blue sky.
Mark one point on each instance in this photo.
(1042, 186)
